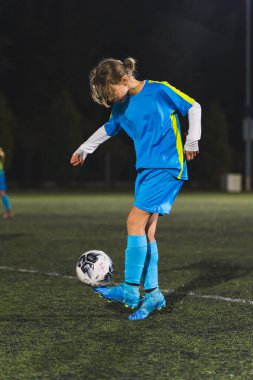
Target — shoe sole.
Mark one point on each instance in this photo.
(130, 307)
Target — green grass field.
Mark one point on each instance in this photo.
(53, 327)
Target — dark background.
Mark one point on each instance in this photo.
(48, 47)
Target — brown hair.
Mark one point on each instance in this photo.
(107, 72)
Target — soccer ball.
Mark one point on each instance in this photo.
(94, 268)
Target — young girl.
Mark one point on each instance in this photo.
(147, 111)
(5, 199)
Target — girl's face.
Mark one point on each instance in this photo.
(120, 90)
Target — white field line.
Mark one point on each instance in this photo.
(32, 271)
(166, 291)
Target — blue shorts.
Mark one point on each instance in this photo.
(2, 182)
(156, 190)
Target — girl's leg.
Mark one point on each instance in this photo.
(6, 203)
(136, 250)
(135, 256)
(150, 272)
(151, 225)
(136, 221)
(153, 298)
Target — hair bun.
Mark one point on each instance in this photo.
(130, 65)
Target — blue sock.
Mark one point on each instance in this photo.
(6, 202)
(150, 272)
(135, 257)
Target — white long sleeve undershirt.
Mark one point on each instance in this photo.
(93, 142)
(194, 131)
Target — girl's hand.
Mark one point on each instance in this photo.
(76, 160)
(190, 155)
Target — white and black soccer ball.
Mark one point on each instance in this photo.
(94, 268)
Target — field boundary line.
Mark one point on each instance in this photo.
(166, 291)
(33, 271)
(210, 296)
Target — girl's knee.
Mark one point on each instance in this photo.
(132, 221)
(135, 223)
(1, 193)
(150, 232)
(150, 236)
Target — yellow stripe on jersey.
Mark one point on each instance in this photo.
(178, 92)
(179, 144)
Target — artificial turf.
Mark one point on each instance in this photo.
(53, 327)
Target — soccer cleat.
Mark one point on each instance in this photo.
(8, 215)
(150, 302)
(127, 294)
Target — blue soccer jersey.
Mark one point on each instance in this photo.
(150, 119)
(2, 177)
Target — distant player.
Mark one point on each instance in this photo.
(5, 199)
(147, 111)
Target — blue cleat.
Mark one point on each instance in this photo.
(151, 301)
(127, 294)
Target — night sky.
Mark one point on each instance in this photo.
(48, 47)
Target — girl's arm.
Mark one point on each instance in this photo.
(109, 129)
(89, 146)
(2, 154)
(191, 146)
